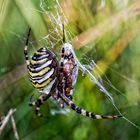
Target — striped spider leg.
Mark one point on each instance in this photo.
(42, 68)
(39, 102)
(68, 71)
(57, 79)
(67, 76)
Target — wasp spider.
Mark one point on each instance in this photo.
(56, 78)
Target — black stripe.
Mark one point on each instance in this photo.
(35, 78)
(61, 64)
(36, 81)
(68, 57)
(26, 57)
(33, 66)
(93, 115)
(63, 33)
(28, 36)
(87, 113)
(50, 57)
(37, 61)
(33, 70)
(37, 57)
(38, 102)
(52, 78)
(38, 77)
(73, 106)
(54, 64)
(25, 52)
(78, 110)
(63, 50)
(42, 87)
(37, 112)
(43, 50)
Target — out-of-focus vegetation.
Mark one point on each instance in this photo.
(106, 31)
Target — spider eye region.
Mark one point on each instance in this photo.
(43, 70)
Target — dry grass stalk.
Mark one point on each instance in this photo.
(6, 120)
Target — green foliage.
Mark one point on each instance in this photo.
(121, 69)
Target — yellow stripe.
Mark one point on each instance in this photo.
(41, 53)
(43, 84)
(40, 73)
(39, 61)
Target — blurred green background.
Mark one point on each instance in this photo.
(106, 31)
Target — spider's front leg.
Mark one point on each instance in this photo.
(43, 70)
(26, 49)
(39, 102)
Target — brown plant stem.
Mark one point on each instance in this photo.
(6, 119)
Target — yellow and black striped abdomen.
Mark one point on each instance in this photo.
(43, 70)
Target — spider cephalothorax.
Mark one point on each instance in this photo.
(56, 78)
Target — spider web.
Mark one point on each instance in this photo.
(54, 38)
(57, 19)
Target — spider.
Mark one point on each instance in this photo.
(56, 78)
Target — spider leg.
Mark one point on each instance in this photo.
(26, 49)
(86, 113)
(64, 40)
(56, 97)
(63, 103)
(39, 102)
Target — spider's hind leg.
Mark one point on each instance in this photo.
(86, 113)
(58, 98)
(62, 102)
(38, 103)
